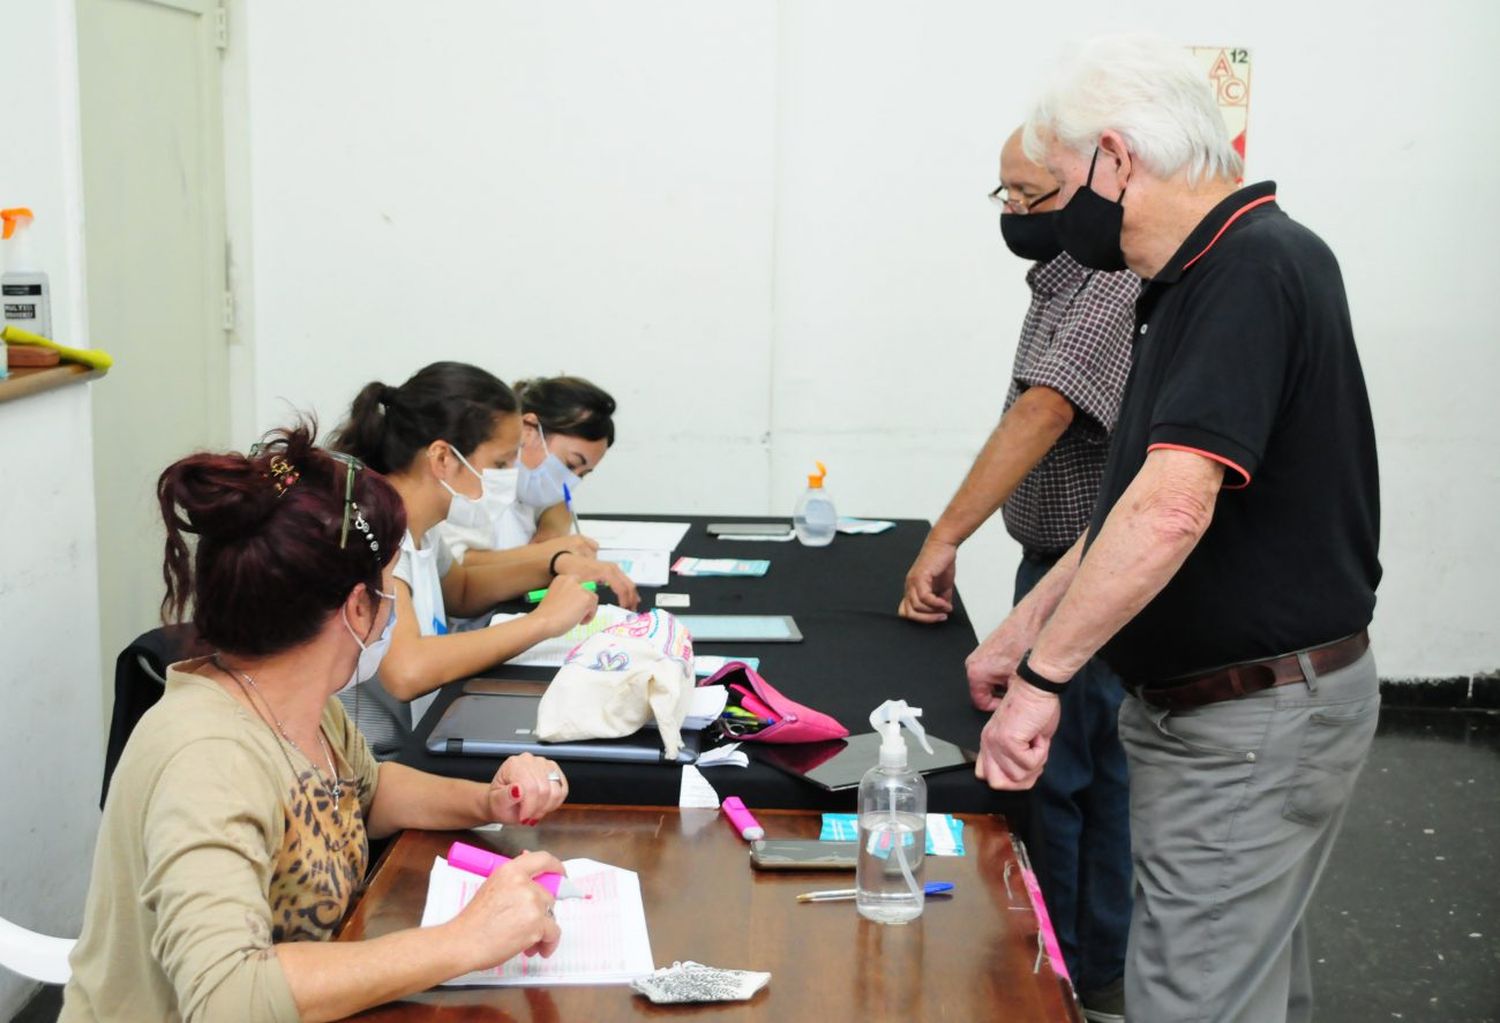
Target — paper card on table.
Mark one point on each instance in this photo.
(758, 537)
(674, 600)
(644, 567)
(604, 937)
(945, 832)
(620, 535)
(721, 566)
(849, 525)
(705, 665)
(705, 704)
(550, 653)
(727, 755)
(696, 792)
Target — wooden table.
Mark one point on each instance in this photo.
(968, 958)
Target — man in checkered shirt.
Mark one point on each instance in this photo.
(1042, 465)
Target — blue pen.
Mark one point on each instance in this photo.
(568, 500)
(929, 889)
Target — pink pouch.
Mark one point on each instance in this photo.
(794, 722)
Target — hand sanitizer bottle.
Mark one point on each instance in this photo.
(892, 823)
(27, 296)
(814, 518)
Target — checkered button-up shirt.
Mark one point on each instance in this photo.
(1076, 340)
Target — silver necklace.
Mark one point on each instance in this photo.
(241, 678)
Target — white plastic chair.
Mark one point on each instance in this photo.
(35, 955)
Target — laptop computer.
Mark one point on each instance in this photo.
(499, 720)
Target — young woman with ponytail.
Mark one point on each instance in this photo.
(433, 438)
(236, 830)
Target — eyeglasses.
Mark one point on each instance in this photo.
(352, 465)
(1018, 203)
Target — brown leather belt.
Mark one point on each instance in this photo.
(1253, 676)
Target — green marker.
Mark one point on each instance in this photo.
(536, 596)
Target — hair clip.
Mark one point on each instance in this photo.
(283, 474)
(365, 530)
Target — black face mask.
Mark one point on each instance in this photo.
(1089, 226)
(1031, 235)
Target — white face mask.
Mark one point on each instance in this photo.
(484, 514)
(370, 656)
(543, 486)
(464, 499)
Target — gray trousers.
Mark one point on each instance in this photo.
(1234, 808)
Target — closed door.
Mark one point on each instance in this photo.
(154, 233)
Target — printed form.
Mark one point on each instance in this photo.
(604, 938)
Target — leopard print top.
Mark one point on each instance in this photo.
(321, 864)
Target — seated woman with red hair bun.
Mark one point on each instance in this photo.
(236, 832)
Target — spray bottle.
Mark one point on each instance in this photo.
(814, 518)
(892, 823)
(28, 297)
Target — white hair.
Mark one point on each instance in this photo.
(1149, 90)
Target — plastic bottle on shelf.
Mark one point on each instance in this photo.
(892, 823)
(26, 295)
(815, 519)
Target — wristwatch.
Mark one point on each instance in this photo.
(1030, 677)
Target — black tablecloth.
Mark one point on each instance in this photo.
(856, 653)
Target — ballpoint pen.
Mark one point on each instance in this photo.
(568, 500)
(929, 889)
(536, 596)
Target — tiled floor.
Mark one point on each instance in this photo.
(1406, 924)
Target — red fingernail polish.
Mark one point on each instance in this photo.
(515, 792)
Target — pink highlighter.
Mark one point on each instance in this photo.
(748, 827)
(484, 863)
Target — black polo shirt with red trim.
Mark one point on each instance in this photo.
(1244, 353)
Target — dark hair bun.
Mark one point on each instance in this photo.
(269, 567)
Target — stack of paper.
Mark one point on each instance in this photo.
(551, 653)
(644, 567)
(643, 550)
(604, 937)
(649, 536)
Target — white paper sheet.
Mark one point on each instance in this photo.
(604, 937)
(727, 755)
(644, 567)
(696, 792)
(650, 536)
(550, 653)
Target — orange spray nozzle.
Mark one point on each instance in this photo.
(14, 217)
(815, 480)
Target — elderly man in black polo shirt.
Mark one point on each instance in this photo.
(1229, 570)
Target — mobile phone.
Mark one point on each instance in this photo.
(749, 529)
(802, 854)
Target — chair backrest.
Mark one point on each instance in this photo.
(140, 671)
(34, 955)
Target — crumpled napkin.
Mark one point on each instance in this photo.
(694, 982)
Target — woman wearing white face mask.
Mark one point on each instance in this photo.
(433, 438)
(567, 427)
(236, 831)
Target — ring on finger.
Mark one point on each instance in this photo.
(554, 777)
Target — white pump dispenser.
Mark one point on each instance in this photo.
(892, 822)
(887, 719)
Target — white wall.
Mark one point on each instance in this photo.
(763, 227)
(51, 756)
